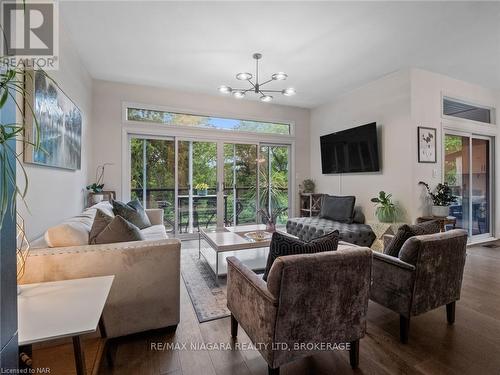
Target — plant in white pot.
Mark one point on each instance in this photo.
(442, 198)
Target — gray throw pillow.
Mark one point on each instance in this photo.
(282, 244)
(336, 208)
(406, 231)
(119, 230)
(101, 221)
(132, 212)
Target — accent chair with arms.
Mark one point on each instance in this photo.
(319, 298)
(426, 274)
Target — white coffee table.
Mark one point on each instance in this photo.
(232, 239)
(66, 308)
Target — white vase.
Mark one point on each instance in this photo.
(441, 211)
(97, 198)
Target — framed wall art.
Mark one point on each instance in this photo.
(426, 145)
(59, 124)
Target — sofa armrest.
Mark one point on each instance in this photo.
(387, 238)
(392, 261)
(155, 215)
(392, 283)
(251, 303)
(243, 274)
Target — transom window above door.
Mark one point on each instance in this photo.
(208, 122)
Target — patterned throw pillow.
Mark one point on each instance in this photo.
(406, 231)
(132, 212)
(283, 244)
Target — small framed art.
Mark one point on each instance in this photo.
(426, 145)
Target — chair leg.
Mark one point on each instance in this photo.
(234, 326)
(354, 354)
(273, 371)
(404, 328)
(450, 312)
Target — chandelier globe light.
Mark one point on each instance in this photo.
(256, 85)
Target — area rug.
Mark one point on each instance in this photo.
(208, 298)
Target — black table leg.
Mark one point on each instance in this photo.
(79, 356)
(107, 345)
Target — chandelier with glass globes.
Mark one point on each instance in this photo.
(256, 86)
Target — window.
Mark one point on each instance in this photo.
(220, 123)
(455, 108)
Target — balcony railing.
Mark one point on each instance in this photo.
(204, 207)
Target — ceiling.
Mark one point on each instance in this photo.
(326, 48)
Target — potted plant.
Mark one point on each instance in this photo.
(201, 189)
(270, 219)
(386, 210)
(442, 198)
(96, 188)
(308, 186)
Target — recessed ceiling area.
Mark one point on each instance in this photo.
(326, 48)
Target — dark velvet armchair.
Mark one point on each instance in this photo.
(426, 274)
(309, 299)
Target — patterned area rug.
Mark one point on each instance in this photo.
(208, 298)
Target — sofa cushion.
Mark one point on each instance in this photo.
(67, 234)
(406, 231)
(104, 206)
(282, 245)
(132, 212)
(336, 208)
(154, 233)
(119, 230)
(101, 221)
(308, 228)
(71, 232)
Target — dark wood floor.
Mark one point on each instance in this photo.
(471, 346)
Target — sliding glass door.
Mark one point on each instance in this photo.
(240, 184)
(467, 169)
(274, 166)
(152, 175)
(209, 183)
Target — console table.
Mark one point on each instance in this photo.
(66, 308)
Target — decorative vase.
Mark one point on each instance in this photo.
(202, 192)
(270, 227)
(385, 216)
(97, 198)
(440, 211)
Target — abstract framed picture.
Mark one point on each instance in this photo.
(59, 124)
(426, 145)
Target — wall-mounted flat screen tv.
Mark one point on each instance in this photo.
(350, 151)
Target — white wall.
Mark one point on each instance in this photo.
(387, 102)
(55, 194)
(427, 89)
(399, 103)
(108, 99)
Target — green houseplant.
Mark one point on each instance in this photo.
(386, 210)
(441, 197)
(308, 186)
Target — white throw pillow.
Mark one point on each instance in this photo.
(68, 234)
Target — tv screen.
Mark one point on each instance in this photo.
(349, 151)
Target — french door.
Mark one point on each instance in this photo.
(209, 183)
(467, 169)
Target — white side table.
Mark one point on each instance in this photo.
(66, 308)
